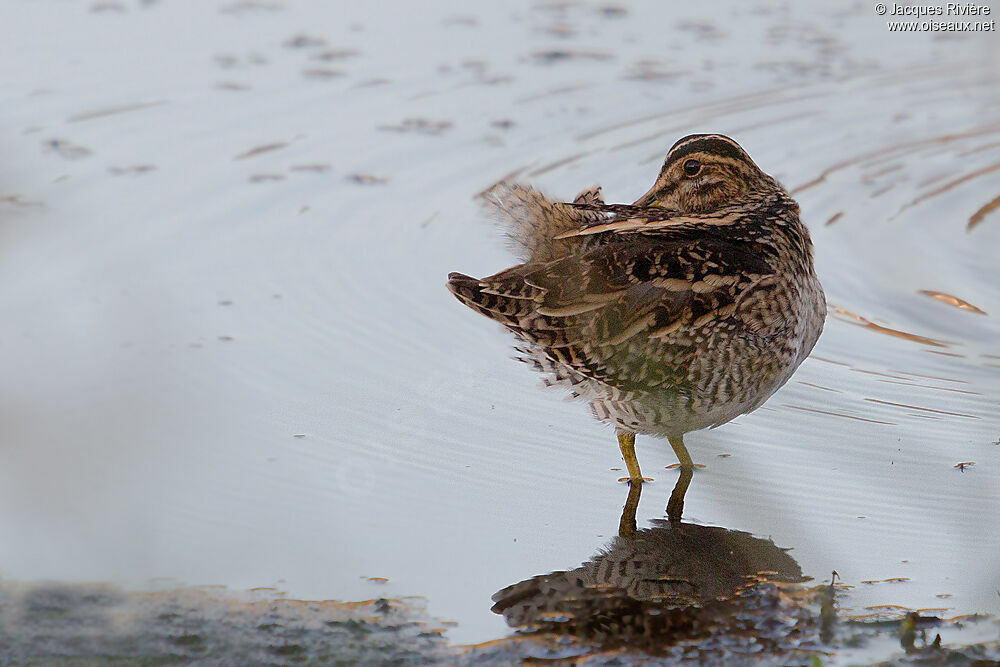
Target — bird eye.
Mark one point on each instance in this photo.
(692, 167)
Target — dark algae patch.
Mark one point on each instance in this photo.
(671, 594)
(94, 624)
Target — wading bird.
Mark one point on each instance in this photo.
(682, 311)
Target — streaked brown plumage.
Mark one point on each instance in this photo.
(679, 312)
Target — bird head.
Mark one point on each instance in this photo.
(703, 172)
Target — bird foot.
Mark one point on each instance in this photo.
(630, 480)
(675, 466)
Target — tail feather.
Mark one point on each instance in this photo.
(519, 314)
(469, 291)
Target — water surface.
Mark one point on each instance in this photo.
(229, 357)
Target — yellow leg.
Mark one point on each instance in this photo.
(677, 442)
(626, 442)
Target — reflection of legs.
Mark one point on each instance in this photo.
(675, 507)
(626, 442)
(626, 527)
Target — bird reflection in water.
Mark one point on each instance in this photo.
(677, 313)
(649, 589)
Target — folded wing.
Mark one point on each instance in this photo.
(601, 311)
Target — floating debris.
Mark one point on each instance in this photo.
(978, 216)
(558, 55)
(231, 85)
(701, 30)
(65, 149)
(17, 201)
(371, 83)
(651, 70)
(854, 318)
(335, 54)
(318, 168)
(134, 170)
(265, 148)
(226, 60)
(612, 11)
(989, 169)
(951, 300)
(303, 41)
(420, 126)
(366, 179)
(560, 30)
(322, 73)
(113, 111)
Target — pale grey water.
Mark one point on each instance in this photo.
(197, 270)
